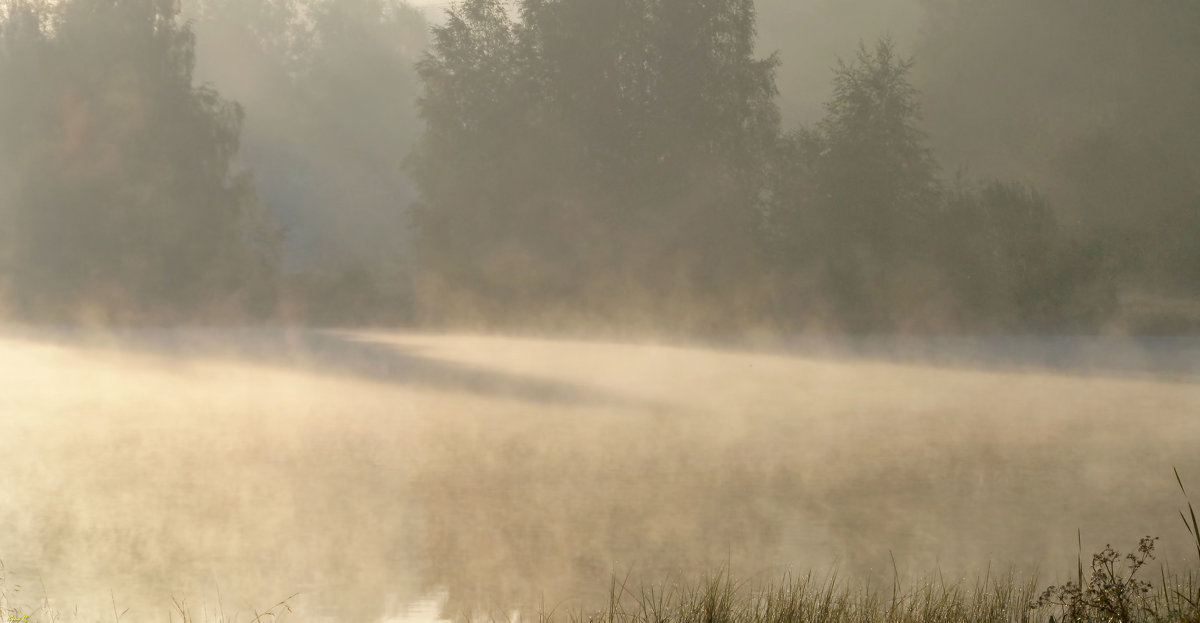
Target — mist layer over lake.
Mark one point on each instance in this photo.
(369, 472)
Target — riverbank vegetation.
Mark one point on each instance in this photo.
(571, 163)
(1111, 588)
(1010, 598)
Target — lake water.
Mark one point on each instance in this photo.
(405, 477)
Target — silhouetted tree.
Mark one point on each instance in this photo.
(1098, 106)
(864, 236)
(855, 195)
(590, 155)
(476, 156)
(122, 204)
(809, 34)
(1011, 265)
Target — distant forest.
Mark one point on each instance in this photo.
(1010, 166)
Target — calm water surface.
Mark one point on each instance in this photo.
(385, 476)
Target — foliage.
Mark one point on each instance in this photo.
(1193, 528)
(122, 203)
(1011, 264)
(587, 154)
(614, 161)
(876, 154)
(1109, 593)
(861, 220)
(1098, 108)
(858, 192)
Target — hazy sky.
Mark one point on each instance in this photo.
(431, 7)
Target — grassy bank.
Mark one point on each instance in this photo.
(1113, 588)
(808, 599)
(1109, 586)
(1010, 598)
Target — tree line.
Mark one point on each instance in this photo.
(574, 162)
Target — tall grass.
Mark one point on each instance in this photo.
(17, 607)
(1009, 598)
(809, 599)
(1113, 588)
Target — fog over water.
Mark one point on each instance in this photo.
(376, 311)
(372, 473)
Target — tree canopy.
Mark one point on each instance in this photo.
(619, 163)
(122, 199)
(588, 154)
(1097, 104)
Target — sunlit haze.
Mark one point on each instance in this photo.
(633, 311)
